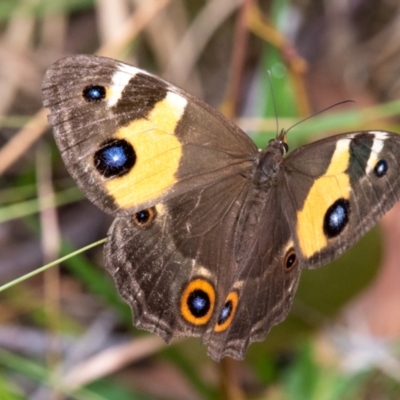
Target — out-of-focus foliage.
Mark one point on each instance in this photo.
(66, 332)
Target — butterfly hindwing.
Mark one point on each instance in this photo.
(184, 247)
(185, 258)
(265, 283)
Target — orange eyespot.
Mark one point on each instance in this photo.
(145, 217)
(228, 312)
(291, 260)
(197, 302)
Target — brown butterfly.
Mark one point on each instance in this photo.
(210, 234)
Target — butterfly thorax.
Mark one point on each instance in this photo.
(268, 165)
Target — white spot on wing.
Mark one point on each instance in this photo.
(379, 135)
(342, 145)
(288, 245)
(119, 80)
(177, 104)
(238, 284)
(202, 271)
(377, 146)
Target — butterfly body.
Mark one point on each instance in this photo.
(210, 234)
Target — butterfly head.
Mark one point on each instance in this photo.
(279, 144)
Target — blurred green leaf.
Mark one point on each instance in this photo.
(28, 207)
(307, 380)
(36, 372)
(98, 282)
(41, 7)
(9, 390)
(111, 390)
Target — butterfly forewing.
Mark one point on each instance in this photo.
(339, 187)
(131, 140)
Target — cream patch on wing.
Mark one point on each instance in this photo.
(119, 80)
(377, 146)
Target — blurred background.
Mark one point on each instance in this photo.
(65, 334)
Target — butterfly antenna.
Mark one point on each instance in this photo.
(320, 112)
(273, 102)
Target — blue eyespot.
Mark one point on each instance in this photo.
(114, 158)
(381, 168)
(198, 303)
(225, 312)
(94, 93)
(336, 218)
(226, 315)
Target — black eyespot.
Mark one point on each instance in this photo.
(145, 217)
(336, 218)
(291, 260)
(381, 168)
(93, 93)
(198, 303)
(115, 157)
(225, 312)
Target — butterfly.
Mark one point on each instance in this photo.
(210, 234)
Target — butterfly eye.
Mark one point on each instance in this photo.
(291, 260)
(94, 93)
(145, 217)
(283, 145)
